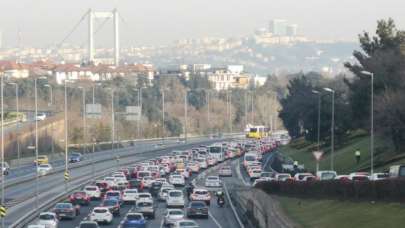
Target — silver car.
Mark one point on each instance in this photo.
(173, 215)
(186, 224)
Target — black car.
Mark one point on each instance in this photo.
(66, 210)
(113, 206)
(155, 188)
(197, 209)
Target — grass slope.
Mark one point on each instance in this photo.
(338, 214)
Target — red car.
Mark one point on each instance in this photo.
(80, 198)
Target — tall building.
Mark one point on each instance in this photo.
(278, 27)
(291, 30)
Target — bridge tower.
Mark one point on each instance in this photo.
(104, 14)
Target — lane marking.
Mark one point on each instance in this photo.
(215, 221)
(161, 223)
(238, 173)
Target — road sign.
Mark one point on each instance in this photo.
(318, 155)
(133, 113)
(67, 176)
(93, 111)
(3, 211)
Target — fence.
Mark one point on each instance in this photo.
(386, 190)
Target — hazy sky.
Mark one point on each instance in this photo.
(44, 22)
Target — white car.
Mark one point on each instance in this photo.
(110, 181)
(283, 176)
(147, 181)
(130, 196)
(175, 198)
(173, 215)
(202, 162)
(145, 196)
(92, 191)
(213, 181)
(262, 179)
(379, 176)
(255, 173)
(176, 179)
(200, 194)
(36, 226)
(225, 171)
(185, 224)
(101, 215)
(40, 117)
(44, 169)
(163, 192)
(48, 219)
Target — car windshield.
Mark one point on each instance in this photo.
(197, 204)
(175, 194)
(46, 217)
(328, 176)
(44, 166)
(144, 204)
(213, 178)
(131, 192)
(199, 192)
(176, 212)
(110, 203)
(63, 206)
(91, 189)
(134, 217)
(250, 158)
(215, 149)
(113, 194)
(100, 211)
(144, 196)
(187, 223)
(88, 225)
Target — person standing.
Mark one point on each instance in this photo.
(357, 155)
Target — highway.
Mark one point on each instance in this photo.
(22, 200)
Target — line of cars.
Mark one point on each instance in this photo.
(145, 185)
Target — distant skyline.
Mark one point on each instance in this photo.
(154, 22)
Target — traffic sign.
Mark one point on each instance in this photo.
(133, 113)
(67, 176)
(3, 211)
(93, 111)
(318, 155)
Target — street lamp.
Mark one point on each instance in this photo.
(2, 145)
(52, 123)
(17, 107)
(84, 117)
(319, 124)
(371, 119)
(329, 90)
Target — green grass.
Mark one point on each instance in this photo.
(344, 157)
(310, 213)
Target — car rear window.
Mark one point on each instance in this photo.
(197, 204)
(46, 217)
(175, 194)
(91, 189)
(201, 192)
(134, 217)
(175, 212)
(100, 210)
(144, 204)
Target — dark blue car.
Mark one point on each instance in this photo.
(75, 157)
(132, 220)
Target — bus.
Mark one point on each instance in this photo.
(257, 132)
(216, 151)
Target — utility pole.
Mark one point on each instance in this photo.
(36, 145)
(208, 112)
(230, 112)
(112, 121)
(84, 121)
(66, 139)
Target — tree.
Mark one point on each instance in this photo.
(383, 55)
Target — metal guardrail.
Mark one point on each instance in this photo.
(25, 220)
(235, 213)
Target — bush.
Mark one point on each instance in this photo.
(387, 190)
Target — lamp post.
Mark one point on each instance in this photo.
(332, 162)
(371, 119)
(163, 116)
(185, 115)
(319, 124)
(2, 146)
(52, 123)
(17, 108)
(66, 135)
(208, 112)
(84, 117)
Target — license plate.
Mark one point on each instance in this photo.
(62, 215)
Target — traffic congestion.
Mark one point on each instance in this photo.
(159, 192)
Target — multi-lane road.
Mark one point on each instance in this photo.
(22, 200)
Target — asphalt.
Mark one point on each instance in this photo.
(22, 195)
